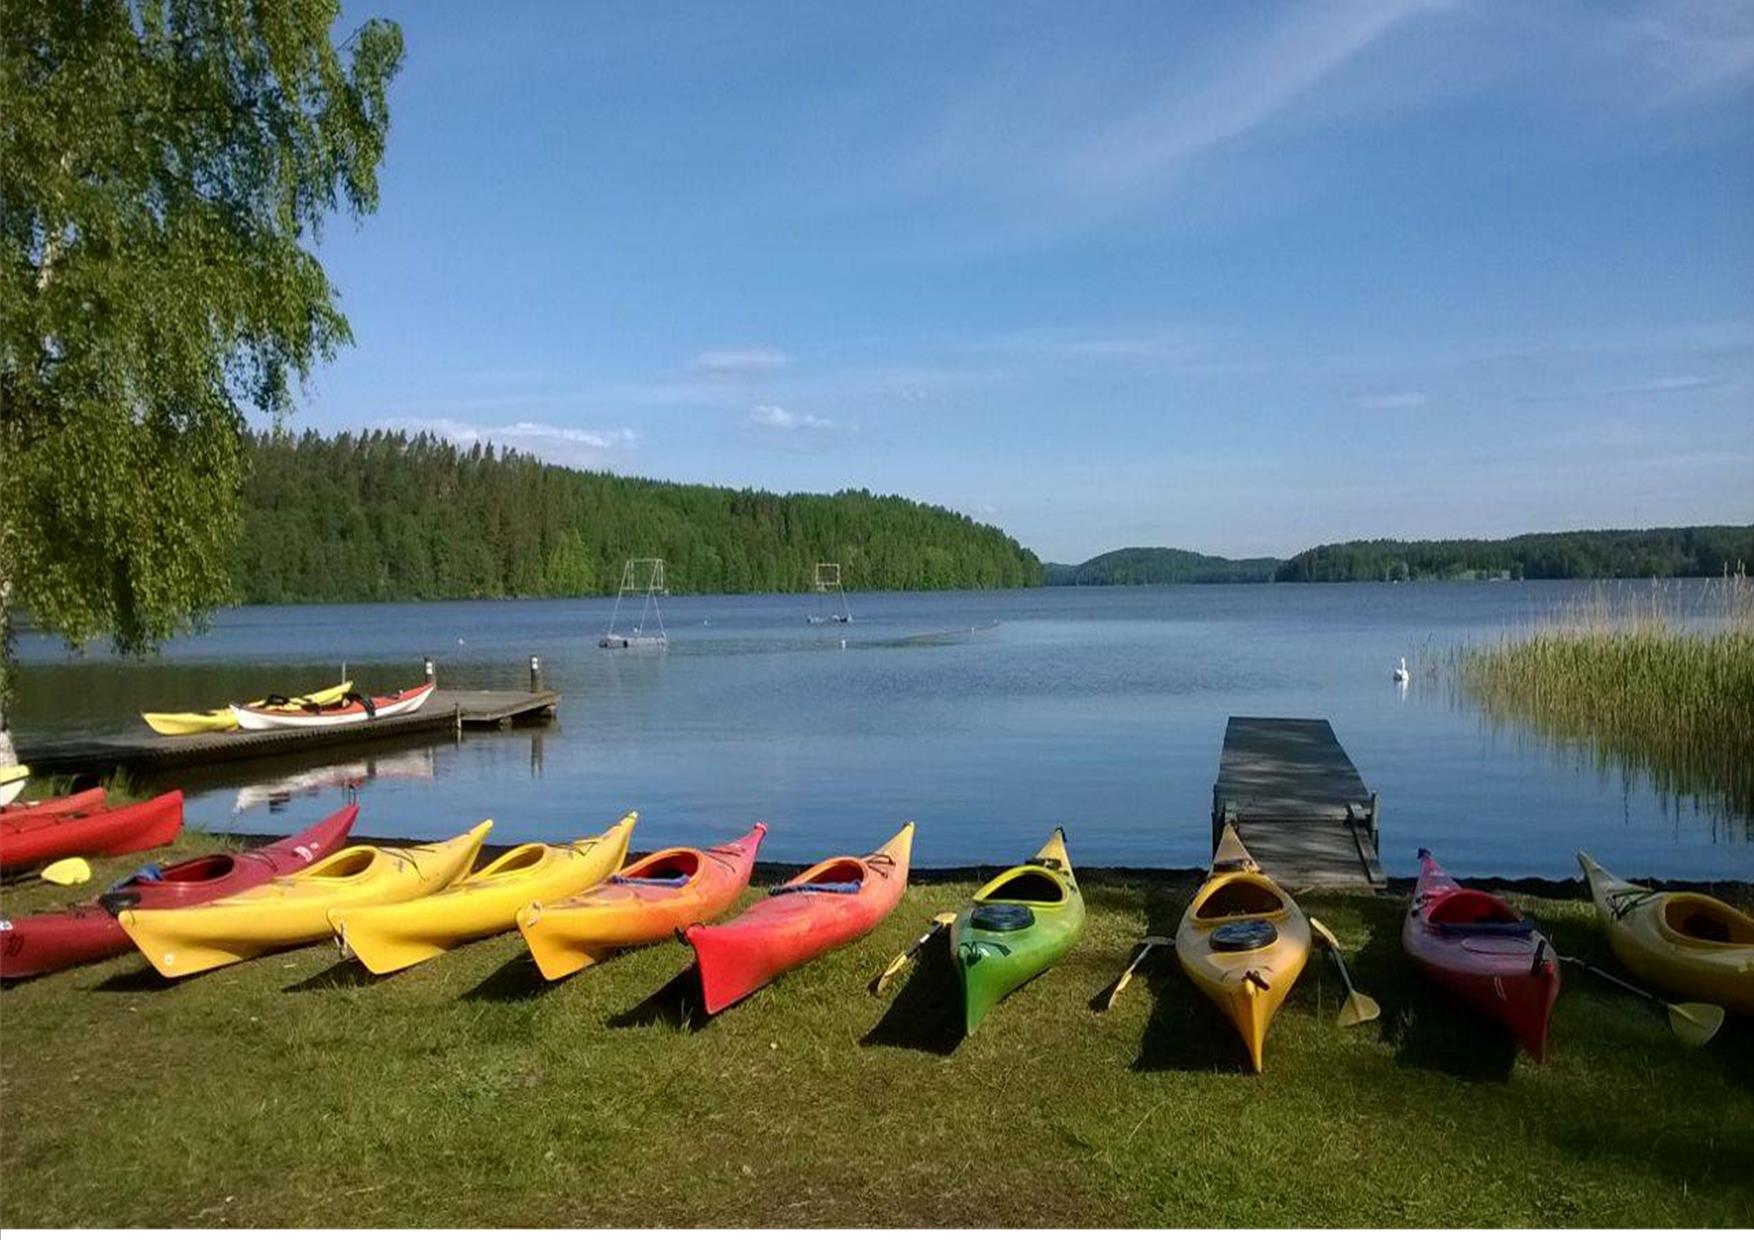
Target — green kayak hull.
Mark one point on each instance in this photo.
(1041, 899)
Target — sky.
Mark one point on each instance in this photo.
(1237, 278)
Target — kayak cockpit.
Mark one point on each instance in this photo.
(836, 876)
(519, 860)
(1024, 885)
(199, 869)
(1704, 920)
(672, 867)
(348, 863)
(1467, 907)
(1243, 896)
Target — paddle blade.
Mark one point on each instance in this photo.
(880, 983)
(1695, 1023)
(1358, 1009)
(68, 872)
(1326, 935)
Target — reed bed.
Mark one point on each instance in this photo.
(1626, 679)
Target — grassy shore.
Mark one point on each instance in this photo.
(1629, 683)
(295, 1090)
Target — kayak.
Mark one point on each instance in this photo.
(1020, 925)
(1485, 952)
(1243, 941)
(36, 839)
(645, 902)
(12, 782)
(825, 907)
(70, 806)
(86, 932)
(388, 937)
(1684, 942)
(225, 719)
(285, 912)
(351, 709)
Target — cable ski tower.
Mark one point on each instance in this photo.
(827, 580)
(646, 578)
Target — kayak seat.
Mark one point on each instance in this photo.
(1029, 887)
(833, 889)
(1002, 917)
(1240, 899)
(1698, 920)
(1473, 911)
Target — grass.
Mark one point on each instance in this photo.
(296, 1091)
(1627, 682)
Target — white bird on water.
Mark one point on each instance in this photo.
(1401, 672)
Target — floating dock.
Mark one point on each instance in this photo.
(140, 749)
(1298, 803)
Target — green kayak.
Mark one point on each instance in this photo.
(1021, 923)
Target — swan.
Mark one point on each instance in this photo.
(1401, 672)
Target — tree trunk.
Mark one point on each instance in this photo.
(8, 755)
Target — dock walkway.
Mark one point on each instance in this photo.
(140, 749)
(1298, 803)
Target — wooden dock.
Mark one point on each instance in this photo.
(1298, 803)
(141, 749)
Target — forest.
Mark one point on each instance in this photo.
(1683, 551)
(1158, 566)
(381, 515)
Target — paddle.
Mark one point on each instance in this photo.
(1359, 1007)
(941, 922)
(1145, 946)
(1694, 1023)
(67, 872)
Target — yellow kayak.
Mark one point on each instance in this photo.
(387, 937)
(1683, 942)
(1243, 941)
(189, 722)
(12, 782)
(292, 910)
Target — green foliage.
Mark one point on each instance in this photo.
(1685, 551)
(384, 516)
(1158, 566)
(1628, 683)
(164, 167)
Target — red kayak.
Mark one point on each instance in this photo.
(35, 945)
(110, 833)
(1486, 952)
(89, 801)
(825, 907)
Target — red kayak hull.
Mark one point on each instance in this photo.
(89, 801)
(738, 957)
(1483, 951)
(32, 946)
(109, 833)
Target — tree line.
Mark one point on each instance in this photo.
(1683, 551)
(1159, 566)
(382, 515)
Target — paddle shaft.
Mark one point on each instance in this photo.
(1618, 981)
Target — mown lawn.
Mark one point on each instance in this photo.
(296, 1091)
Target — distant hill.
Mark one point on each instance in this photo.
(1158, 566)
(1684, 551)
(383, 516)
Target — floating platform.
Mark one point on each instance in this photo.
(1298, 803)
(141, 749)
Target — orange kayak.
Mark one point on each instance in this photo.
(642, 903)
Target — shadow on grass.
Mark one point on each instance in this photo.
(926, 1013)
(518, 980)
(342, 975)
(1184, 1032)
(144, 980)
(677, 1004)
(1427, 1027)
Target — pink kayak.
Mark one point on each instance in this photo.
(1484, 951)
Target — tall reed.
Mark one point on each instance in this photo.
(1623, 677)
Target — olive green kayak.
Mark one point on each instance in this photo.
(1020, 924)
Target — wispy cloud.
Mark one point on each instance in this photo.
(777, 427)
(1670, 383)
(1688, 47)
(1391, 400)
(740, 363)
(560, 445)
(1145, 345)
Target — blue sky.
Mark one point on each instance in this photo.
(1236, 278)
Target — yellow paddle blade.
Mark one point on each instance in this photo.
(1327, 935)
(1695, 1023)
(1358, 1009)
(1145, 946)
(71, 871)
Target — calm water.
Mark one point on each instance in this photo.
(1102, 709)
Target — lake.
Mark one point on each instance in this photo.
(986, 717)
